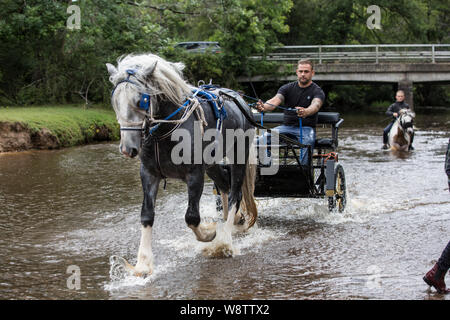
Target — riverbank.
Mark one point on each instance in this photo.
(53, 127)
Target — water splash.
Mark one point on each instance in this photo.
(120, 277)
(222, 245)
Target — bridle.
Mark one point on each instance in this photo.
(143, 107)
(406, 125)
(189, 106)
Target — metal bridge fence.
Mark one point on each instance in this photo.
(371, 53)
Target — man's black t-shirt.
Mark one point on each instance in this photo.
(396, 107)
(296, 96)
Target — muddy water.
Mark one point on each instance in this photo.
(79, 206)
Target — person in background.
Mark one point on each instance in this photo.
(435, 277)
(393, 111)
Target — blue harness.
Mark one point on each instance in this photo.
(144, 102)
(220, 113)
(203, 93)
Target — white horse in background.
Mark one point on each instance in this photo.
(402, 131)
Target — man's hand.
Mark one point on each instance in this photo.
(395, 114)
(302, 112)
(260, 106)
(314, 107)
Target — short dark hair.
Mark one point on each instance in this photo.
(306, 61)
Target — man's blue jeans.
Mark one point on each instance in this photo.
(386, 132)
(308, 138)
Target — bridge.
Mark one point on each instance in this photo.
(404, 64)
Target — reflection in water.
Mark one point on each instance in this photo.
(80, 206)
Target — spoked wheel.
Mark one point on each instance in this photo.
(339, 199)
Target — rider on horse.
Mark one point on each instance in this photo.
(393, 111)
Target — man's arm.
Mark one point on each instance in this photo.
(313, 108)
(389, 111)
(271, 104)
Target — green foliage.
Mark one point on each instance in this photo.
(199, 66)
(431, 95)
(250, 27)
(354, 97)
(321, 22)
(42, 61)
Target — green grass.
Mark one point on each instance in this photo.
(71, 124)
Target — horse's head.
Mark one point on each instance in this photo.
(138, 81)
(131, 103)
(406, 120)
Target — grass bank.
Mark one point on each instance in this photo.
(67, 125)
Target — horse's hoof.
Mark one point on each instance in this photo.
(205, 232)
(222, 250)
(208, 237)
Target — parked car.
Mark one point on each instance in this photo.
(199, 46)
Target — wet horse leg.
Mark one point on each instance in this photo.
(195, 182)
(144, 265)
(235, 197)
(221, 178)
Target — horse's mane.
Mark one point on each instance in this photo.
(166, 79)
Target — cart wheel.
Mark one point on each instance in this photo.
(339, 200)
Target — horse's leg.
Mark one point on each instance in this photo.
(195, 182)
(224, 196)
(235, 197)
(221, 178)
(144, 265)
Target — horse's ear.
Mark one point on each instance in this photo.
(111, 69)
(178, 66)
(149, 71)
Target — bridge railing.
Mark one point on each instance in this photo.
(376, 53)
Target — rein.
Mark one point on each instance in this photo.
(300, 120)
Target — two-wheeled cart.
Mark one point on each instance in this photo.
(321, 177)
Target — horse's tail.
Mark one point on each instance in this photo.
(248, 203)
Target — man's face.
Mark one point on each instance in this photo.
(400, 96)
(304, 73)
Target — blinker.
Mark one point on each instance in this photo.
(144, 104)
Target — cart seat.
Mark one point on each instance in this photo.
(277, 118)
(327, 117)
(324, 143)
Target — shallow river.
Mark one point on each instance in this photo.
(77, 207)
